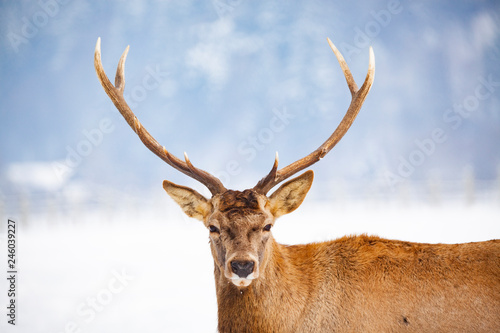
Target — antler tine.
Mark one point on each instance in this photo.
(358, 97)
(271, 176)
(115, 93)
(353, 87)
(120, 70)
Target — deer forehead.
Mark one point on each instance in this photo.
(240, 208)
(247, 201)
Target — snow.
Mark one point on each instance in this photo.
(153, 272)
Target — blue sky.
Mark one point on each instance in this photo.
(231, 82)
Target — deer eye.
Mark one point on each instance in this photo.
(267, 227)
(213, 228)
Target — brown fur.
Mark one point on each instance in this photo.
(236, 199)
(352, 284)
(368, 284)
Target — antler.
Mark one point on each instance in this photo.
(116, 94)
(276, 176)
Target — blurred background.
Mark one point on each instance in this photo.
(231, 82)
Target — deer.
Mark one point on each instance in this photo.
(356, 283)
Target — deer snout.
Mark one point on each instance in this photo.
(242, 268)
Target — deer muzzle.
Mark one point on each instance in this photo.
(241, 271)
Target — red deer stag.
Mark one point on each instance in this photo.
(352, 284)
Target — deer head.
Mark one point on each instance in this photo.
(239, 223)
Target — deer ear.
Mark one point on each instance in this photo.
(290, 195)
(192, 203)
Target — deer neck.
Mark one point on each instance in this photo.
(275, 299)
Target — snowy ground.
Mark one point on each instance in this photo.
(153, 273)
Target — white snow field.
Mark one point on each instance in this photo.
(154, 272)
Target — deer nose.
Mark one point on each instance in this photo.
(242, 268)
